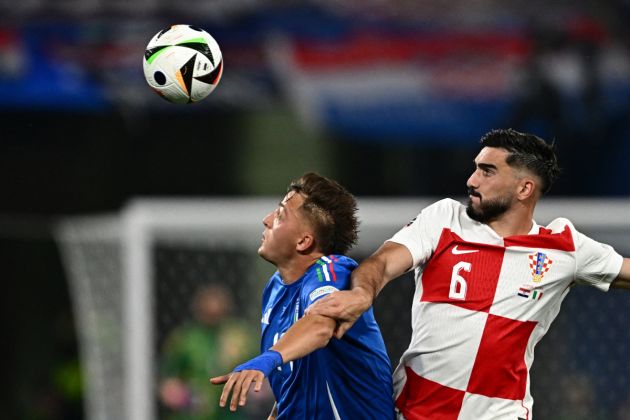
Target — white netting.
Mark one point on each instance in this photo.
(92, 256)
(133, 275)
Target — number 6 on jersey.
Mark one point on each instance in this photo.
(458, 283)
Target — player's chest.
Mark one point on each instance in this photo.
(280, 312)
(478, 275)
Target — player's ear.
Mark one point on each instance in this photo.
(305, 242)
(526, 188)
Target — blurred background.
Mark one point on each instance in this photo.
(388, 97)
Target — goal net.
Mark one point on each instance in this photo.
(133, 277)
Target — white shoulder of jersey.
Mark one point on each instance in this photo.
(444, 208)
(422, 234)
(558, 225)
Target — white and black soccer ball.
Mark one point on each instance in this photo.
(183, 64)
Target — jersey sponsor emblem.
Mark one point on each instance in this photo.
(321, 291)
(456, 251)
(539, 264)
(528, 291)
(411, 221)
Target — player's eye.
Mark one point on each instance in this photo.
(486, 171)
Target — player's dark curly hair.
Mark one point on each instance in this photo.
(526, 151)
(331, 209)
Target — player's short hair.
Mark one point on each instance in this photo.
(331, 209)
(526, 151)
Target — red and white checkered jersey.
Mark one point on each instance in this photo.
(481, 304)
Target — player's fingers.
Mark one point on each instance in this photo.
(245, 388)
(260, 377)
(226, 390)
(323, 306)
(218, 380)
(342, 328)
(236, 390)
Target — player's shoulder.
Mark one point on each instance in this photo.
(444, 205)
(330, 268)
(559, 225)
(442, 213)
(340, 260)
(337, 264)
(330, 273)
(446, 208)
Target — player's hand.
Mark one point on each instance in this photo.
(238, 383)
(345, 306)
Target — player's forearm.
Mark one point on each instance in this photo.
(308, 334)
(623, 280)
(388, 262)
(369, 278)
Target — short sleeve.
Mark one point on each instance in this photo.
(597, 264)
(330, 274)
(421, 235)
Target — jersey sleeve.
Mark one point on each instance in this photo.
(421, 235)
(331, 274)
(597, 264)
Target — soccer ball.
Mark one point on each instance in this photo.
(183, 64)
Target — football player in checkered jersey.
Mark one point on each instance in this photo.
(489, 282)
(313, 375)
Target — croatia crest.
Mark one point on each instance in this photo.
(540, 264)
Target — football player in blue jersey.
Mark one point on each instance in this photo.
(313, 375)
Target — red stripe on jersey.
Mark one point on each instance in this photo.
(422, 399)
(499, 370)
(332, 271)
(562, 241)
(462, 273)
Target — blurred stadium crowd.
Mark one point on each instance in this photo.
(388, 96)
(401, 81)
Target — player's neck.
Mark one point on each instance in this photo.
(517, 221)
(293, 269)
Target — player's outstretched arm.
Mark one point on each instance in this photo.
(368, 279)
(623, 280)
(308, 334)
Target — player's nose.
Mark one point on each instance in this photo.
(472, 181)
(266, 221)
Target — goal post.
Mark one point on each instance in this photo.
(117, 263)
(235, 221)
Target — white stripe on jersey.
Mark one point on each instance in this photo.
(325, 271)
(326, 274)
(325, 267)
(332, 403)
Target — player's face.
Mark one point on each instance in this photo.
(492, 186)
(283, 228)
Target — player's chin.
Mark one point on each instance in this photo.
(263, 254)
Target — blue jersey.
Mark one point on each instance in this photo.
(349, 378)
